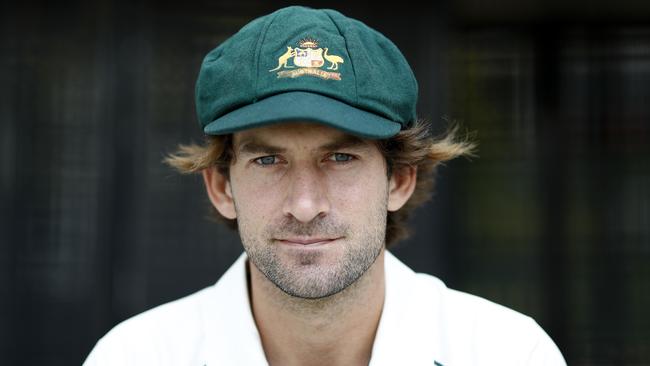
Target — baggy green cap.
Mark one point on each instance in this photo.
(302, 64)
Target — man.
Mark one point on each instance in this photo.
(315, 155)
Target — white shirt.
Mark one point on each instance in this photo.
(422, 323)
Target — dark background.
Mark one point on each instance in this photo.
(551, 219)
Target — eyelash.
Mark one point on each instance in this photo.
(350, 158)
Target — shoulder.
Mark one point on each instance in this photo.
(467, 310)
(163, 332)
(461, 328)
(479, 328)
(186, 331)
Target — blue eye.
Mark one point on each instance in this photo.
(341, 158)
(266, 160)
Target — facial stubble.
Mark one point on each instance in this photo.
(306, 275)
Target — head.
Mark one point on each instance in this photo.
(318, 166)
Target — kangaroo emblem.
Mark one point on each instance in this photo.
(335, 60)
(308, 59)
(282, 61)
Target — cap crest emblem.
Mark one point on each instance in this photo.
(309, 59)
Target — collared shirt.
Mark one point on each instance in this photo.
(422, 323)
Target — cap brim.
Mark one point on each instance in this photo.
(304, 106)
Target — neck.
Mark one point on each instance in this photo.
(336, 330)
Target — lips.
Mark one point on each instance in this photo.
(306, 241)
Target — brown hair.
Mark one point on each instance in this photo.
(412, 147)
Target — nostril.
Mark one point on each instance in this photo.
(306, 208)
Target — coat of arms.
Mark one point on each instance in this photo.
(309, 59)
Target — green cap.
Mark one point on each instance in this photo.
(302, 64)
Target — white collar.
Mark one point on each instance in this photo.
(231, 335)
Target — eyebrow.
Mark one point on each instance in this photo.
(255, 146)
(349, 141)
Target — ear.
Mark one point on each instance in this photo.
(219, 192)
(401, 187)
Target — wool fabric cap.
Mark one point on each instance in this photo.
(303, 64)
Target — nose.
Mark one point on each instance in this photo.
(307, 196)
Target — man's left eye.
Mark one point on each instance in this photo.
(341, 157)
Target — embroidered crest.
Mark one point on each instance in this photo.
(309, 59)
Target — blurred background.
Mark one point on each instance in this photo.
(552, 219)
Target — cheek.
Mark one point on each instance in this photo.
(254, 200)
(357, 192)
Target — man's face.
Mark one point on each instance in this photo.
(311, 205)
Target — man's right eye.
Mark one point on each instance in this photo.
(266, 160)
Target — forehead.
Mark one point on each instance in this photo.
(298, 134)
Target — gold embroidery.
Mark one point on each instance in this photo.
(309, 59)
(335, 60)
(282, 61)
(309, 71)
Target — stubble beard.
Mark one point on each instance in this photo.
(306, 276)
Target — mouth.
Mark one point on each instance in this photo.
(306, 242)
